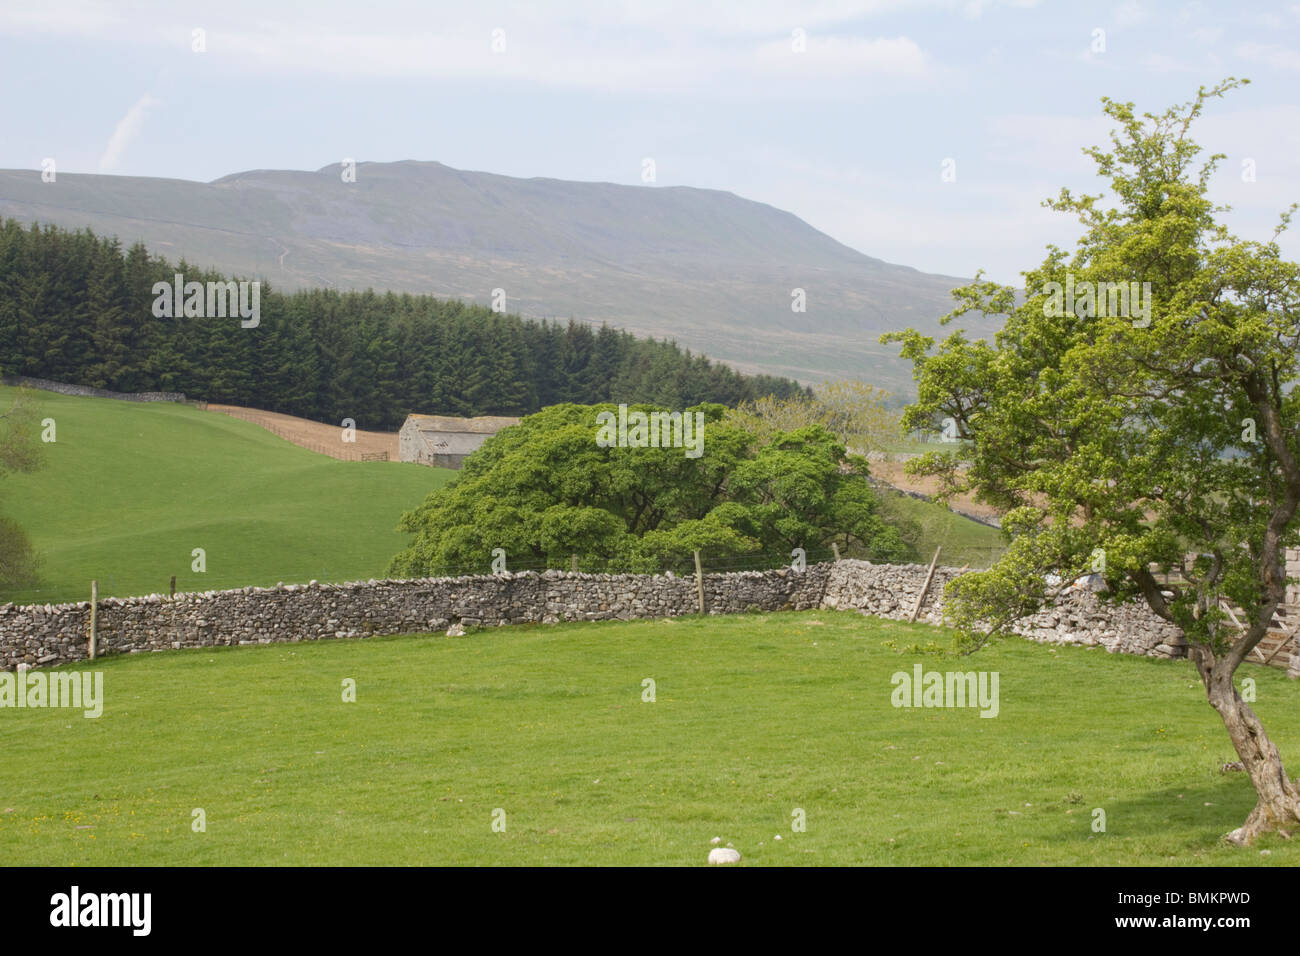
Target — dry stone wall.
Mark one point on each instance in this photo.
(1079, 618)
(85, 391)
(52, 634)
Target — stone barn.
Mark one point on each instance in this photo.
(443, 441)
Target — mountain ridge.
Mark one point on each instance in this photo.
(706, 267)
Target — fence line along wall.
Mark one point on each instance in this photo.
(53, 634)
(1079, 618)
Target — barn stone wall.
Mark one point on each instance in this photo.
(445, 441)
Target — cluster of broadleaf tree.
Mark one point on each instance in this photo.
(77, 308)
(546, 490)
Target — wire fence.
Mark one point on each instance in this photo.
(342, 451)
(1268, 652)
(186, 581)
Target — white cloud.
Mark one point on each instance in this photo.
(974, 9)
(1130, 13)
(125, 131)
(585, 44)
(839, 55)
(729, 18)
(1270, 54)
(546, 57)
(1046, 144)
(78, 17)
(1164, 63)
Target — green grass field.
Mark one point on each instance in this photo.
(963, 541)
(754, 716)
(129, 490)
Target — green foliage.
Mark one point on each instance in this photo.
(1165, 439)
(545, 490)
(858, 414)
(75, 308)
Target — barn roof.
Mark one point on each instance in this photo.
(482, 425)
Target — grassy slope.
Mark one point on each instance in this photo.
(755, 715)
(129, 490)
(963, 541)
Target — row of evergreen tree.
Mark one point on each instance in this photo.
(76, 308)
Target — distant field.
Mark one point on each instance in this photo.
(754, 716)
(317, 436)
(130, 489)
(964, 542)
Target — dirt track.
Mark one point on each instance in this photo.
(892, 472)
(315, 436)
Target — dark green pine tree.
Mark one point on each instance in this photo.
(606, 359)
(546, 350)
(579, 346)
(13, 265)
(42, 336)
(507, 365)
(75, 308)
(109, 329)
(285, 358)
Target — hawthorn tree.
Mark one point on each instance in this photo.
(853, 411)
(1158, 436)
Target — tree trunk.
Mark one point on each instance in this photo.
(1278, 807)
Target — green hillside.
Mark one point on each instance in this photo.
(545, 729)
(925, 526)
(129, 490)
(709, 269)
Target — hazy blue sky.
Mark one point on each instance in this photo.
(849, 134)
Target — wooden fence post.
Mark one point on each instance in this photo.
(94, 605)
(926, 586)
(836, 549)
(173, 594)
(699, 581)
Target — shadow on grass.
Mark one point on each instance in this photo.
(1204, 809)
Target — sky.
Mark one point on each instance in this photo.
(925, 133)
